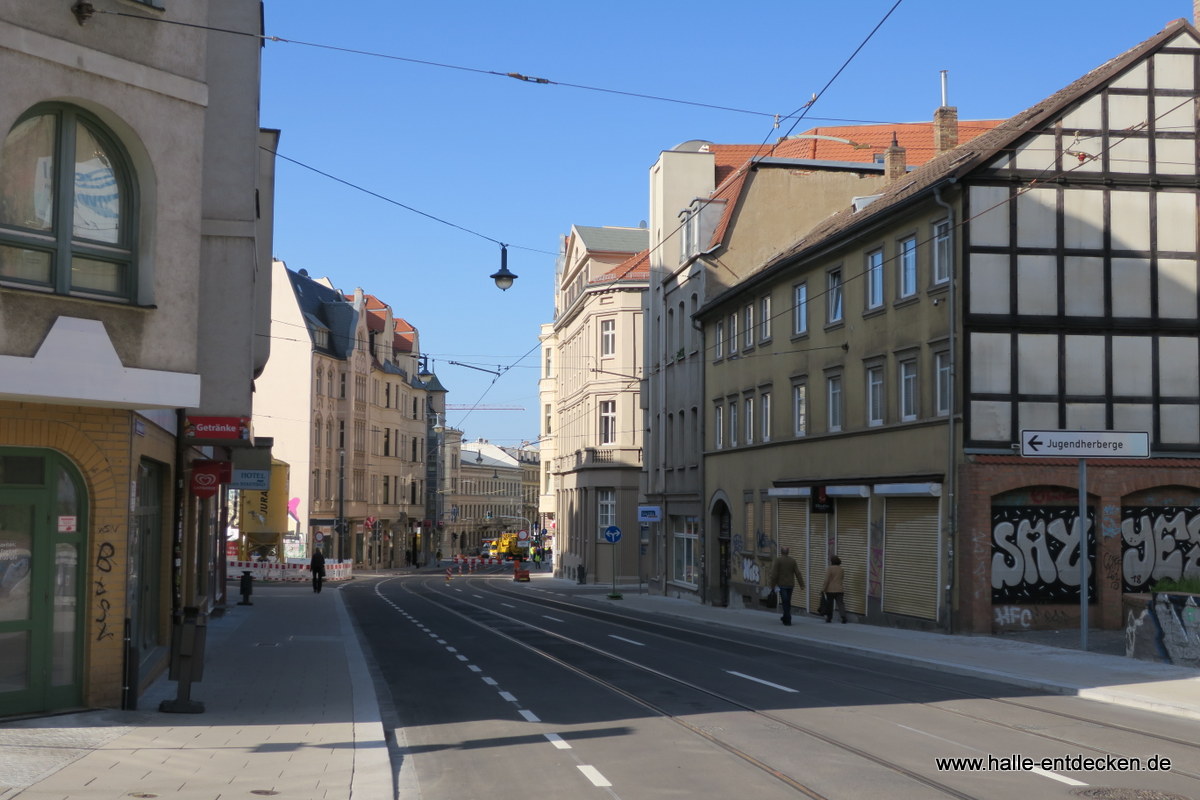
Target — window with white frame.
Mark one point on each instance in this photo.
(875, 395)
(748, 326)
(685, 549)
(764, 318)
(733, 334)
(875, 279)
(68, 204)
(608, 422)
(608, 337)
(764, 413)
(941, 365)
(749, 404)
(833, 296)
(908, 266)
(908, 389)
(942, 254)
(606, 510)
(800, 409)
(719, 336)
(733, 423)
(718, 427)
(833, 402)
(800, 309)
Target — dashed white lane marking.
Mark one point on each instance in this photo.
(623, 639)
(490, 681)
(509, 697)
(557, 741)
(461, 657)
(477, 595)
(760, 680)
(552, 619)
(508, 605)
(474, 668)
(528, 715)
(593, 775)
(1056, 777)
(449, 649)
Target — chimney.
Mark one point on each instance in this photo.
(895, 162)
(945, 128)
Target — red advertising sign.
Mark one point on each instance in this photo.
(207, 476)
(217, 428)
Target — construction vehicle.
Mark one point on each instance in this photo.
(507, 547)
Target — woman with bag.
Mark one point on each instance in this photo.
(834, 589)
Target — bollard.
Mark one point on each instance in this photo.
(247, 588)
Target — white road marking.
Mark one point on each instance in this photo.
(1056, 777)
(477, 595)
(529, 715)
(490, 681)
(939, 738)
(623, 639)
(474, 668)
(553, 619)
(760, 680)
(557, 741)
(508, 605)
(461, 657)
(449, 649)
(509, 697)
(593, 775)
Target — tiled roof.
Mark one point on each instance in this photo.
(635, 268)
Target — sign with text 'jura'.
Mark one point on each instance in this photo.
(1086, 444)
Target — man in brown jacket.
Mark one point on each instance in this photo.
(834, 589)
(785, 574)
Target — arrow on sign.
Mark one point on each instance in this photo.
(1034, 442)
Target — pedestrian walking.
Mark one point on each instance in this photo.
(785, 575)
(834, 589)
(316, 566)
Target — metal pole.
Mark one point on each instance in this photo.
(1083, 557)
(341, 520)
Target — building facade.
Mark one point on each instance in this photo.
(133, 220)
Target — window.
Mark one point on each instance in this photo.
(608, 422)
(547, 427)
(908, 266)
(765, 414)
(875, 395)
(764, 318)
(834, 295)
(748, 326)
(67, 207)
(733, 334)
(800, 309)
(719, 344)
(733, 423)
(608, 337)
(941, 251)
(606, 510)
(908, 389)
(317, 433)
(718, 427)
(749, 403)
(800, 409)
(941, 362)
(318, 388)
(686, 536)
(548, 364)
(875, 279)
(834, 401)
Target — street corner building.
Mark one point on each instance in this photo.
(136, 195)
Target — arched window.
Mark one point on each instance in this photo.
(67, 206)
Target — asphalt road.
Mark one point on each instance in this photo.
(502, 690)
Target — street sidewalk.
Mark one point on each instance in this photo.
(291, 710)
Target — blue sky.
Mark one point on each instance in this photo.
(519, 163)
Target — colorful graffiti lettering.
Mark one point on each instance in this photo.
(1035, 553)
(751, 572)
(1159, 542)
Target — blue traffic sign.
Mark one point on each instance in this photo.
(612, 534)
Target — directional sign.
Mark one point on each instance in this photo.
(612, 534)
(1085, 444)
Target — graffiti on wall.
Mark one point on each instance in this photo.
(1159, 542)
(104, 565)
(751, 572)
(1035, 552)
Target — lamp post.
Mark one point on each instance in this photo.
(341, 515)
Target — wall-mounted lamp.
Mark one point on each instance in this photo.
(503, 278)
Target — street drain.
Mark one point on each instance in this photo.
(1118, 793)
(272, 791)
(142, 794)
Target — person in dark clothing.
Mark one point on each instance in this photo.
(834, 589)
(317, 566)
(785, 574)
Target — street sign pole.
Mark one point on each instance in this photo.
(1083, 445)
(612, 534)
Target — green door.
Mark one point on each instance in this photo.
(42, 519)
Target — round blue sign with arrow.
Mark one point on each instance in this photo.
(612, 534)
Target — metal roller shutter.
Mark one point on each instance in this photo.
(793, 534)
(818, 534)
(910, 557)
(852, 547)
